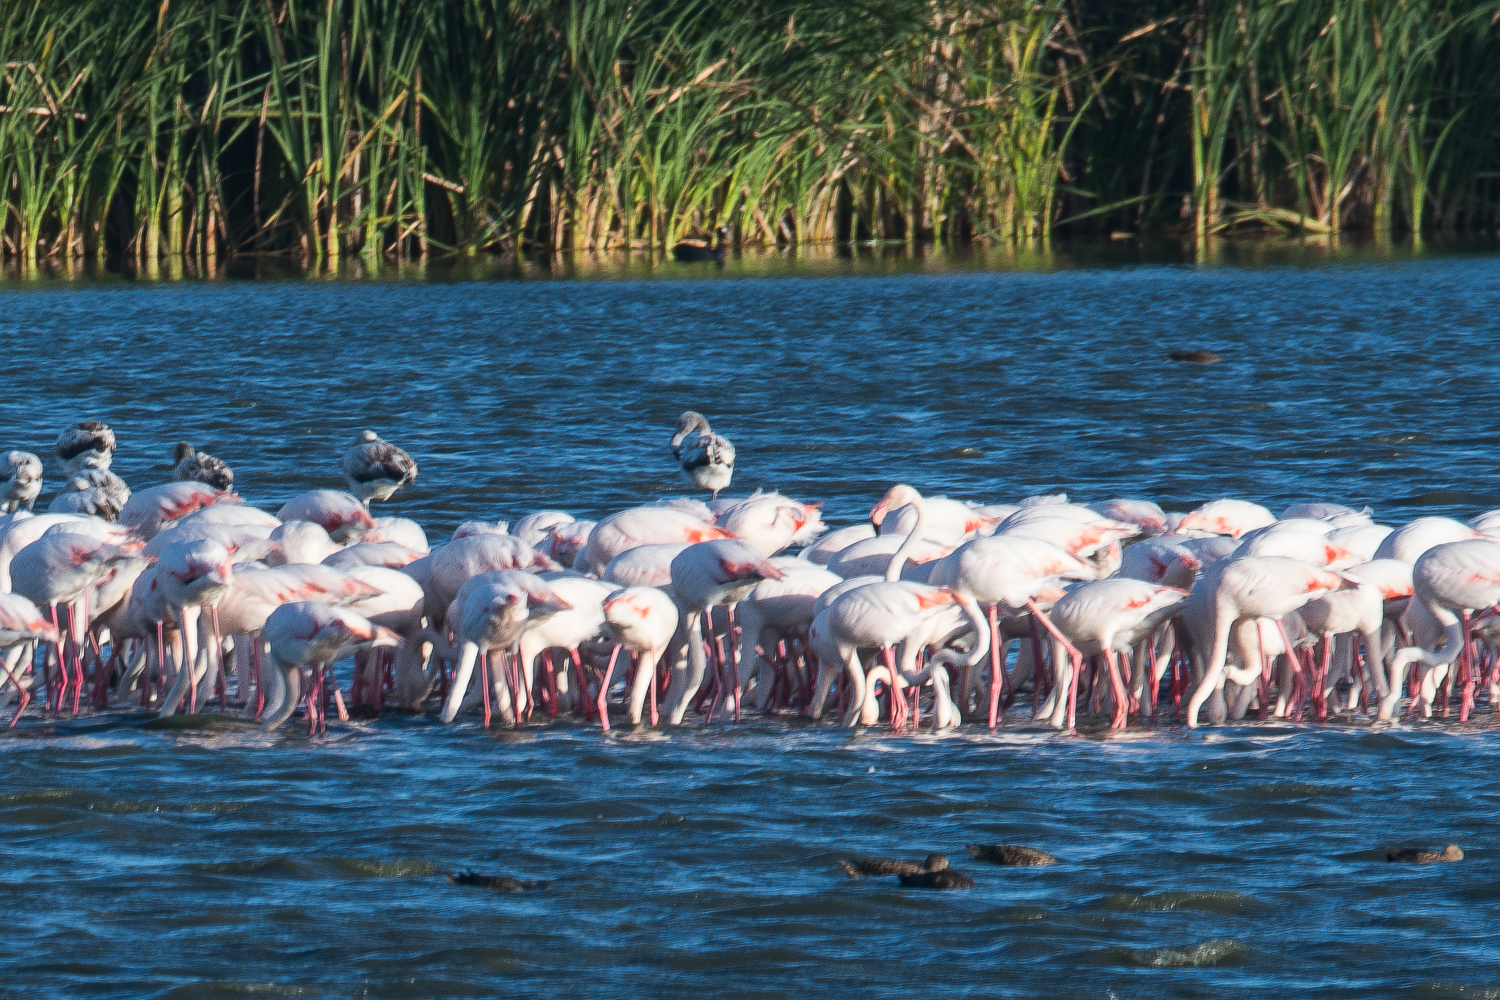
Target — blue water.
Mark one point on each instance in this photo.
(207, 859)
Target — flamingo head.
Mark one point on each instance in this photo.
(896, 497)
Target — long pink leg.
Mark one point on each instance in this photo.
(604, 690)
(78, 625)
(62, 664)
(653, 695)
(25, 695)
(1122, 695)
(997, 671)
(260, 694)
(484, 684)
(734, 658)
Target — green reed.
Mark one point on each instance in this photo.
(195, 128)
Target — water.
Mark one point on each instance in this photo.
(206, 859)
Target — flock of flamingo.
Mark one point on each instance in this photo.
(935, 612)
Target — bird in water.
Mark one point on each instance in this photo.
(376, 469)
(1196, 357)
(693, 252)
(25, 481)
(189, 465)
(1423, 856)
(498, 883)
(1010, 854)
(862, 867)
(943, 878)
(706, 458)
(87, 444)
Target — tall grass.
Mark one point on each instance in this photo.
(182, 129)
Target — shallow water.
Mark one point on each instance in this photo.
(207, 859)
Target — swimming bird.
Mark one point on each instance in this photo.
(1010, 854)
(706, 458)
(945, 878)
(498, 883)
(1423, 856)
(197, 466)
(376, 469)
(25, 481)
(89, 443)
(690, 252)
(865, 867)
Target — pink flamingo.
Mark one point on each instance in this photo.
(21, 624)
(1248, 588)
(643, 621)
(643, 526)
(704, 576)
(307, 634)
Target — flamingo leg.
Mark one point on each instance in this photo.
(1122, 695)
(604, 690)
(997, 671)
(484, 683)
(23, 695)
(62, 666)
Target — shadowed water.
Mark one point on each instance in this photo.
(205, 859)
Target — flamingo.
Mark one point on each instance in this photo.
(533, 529)
(87, 444)
(947, 522)
(21, 624)
(1148, 518)
(1160, 560)
(193, 575)
(707, 458)
(59, 569)
(642, 620)
(1108, 617)
(489, 612)
(391, 555)
(1248, 588)
(25, 481)
(778, 609)
(643, 566)
(303, 634)
(579, 622)
(704, 576)
(376, 469)
(301, 542)
(1450, 581)
(643, 526)
(1361, 612)
(770, 522)
(1226, 517)
(88, 503)
(152, 510)
(565, 541)
(831, 544)
(344, 517)
(1408, 542)
(191, 465)
(401, 530)
(99, 479)
(457, 562)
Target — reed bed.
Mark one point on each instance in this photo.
(201, 128)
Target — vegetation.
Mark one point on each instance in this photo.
(200, 128)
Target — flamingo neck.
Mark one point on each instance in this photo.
(898, 561)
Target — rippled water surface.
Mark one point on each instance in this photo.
(205, 859)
